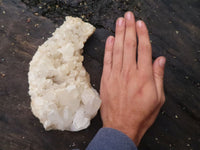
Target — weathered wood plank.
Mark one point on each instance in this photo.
(175, 33)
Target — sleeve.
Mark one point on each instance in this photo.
(111, 139)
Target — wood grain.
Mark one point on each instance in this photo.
(174, 28)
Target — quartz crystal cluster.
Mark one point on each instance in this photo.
(61, 94)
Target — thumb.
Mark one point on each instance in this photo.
(158, 73)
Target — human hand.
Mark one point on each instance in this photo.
(131, 89)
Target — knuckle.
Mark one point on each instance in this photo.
(114, 78)
(116, 70)
(107, 61)
(158, 74)
(147, 45)
(130, 43)
(107, 58)
(144, 77)
(126, 73)
(130, 24)
(117, 52)
(119, 29)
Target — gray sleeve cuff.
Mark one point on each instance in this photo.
(111, 139)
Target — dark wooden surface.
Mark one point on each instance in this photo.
(174, 27)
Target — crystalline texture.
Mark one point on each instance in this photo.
(61, 95)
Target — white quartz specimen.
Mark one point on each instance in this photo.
(61, 95)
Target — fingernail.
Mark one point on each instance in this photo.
(162, 62)
(140, 23)
(129, 15)
(120, 21)
(110, 40)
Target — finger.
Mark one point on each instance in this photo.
(130, 43)
(108, 55)
(158, 73)
(144, 47)
(118, 45)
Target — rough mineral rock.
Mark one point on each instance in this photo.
(61, 95)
